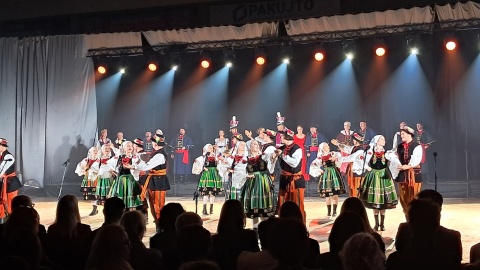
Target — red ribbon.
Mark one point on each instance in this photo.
(185, 155)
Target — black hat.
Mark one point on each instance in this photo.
(3, 142)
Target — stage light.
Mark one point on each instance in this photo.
(319, 56)
(153, 66)
(175, 60)
(261, 60)
(450, 45)
(229, 58)
(229, 64)
(413, 44)
(174, 67)
(414, 50)
(122, 70)
(380, 51)
(349, 56)
(102, 69)
(260, 56)
(286, 61)
(286, 54)
(380, 47)
(205, 61)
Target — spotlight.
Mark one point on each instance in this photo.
(286, 54)
(229, 58)
(349, 56)
(380, 47)
(261, 60)
(286, 61)
(349, 48)
(102, 69)
(450, 45)
(414, 50)
(260, 57)
(205, 61)
(380, 51)
(413, 44)
(174, 67)
(319, 56)
(229, 64)
(175, 60)
(152, 65)
(122, 70)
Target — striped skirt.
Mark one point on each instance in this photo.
(88, 188)
(257, 196)
(127, 189)
(331, 182)
(210, 182)
(103, 188)
(378, 190)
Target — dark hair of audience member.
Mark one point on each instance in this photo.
(361, 252)
(23, 218)
(25, 244)
(14, 263)
(232, 217)
(168, 216)
(193, 243)
(263, 230)
(355, 205)
(21, 201)
(430, 194)
(134, 224)
(345, 226)
(200, 265)
(110, 249)
(424, 218)
(113, 209)
(68, 216)
(188, 219)
(288, 241)
(290, 209)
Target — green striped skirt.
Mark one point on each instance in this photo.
(210, 182)
(235, 193)
(126, 188)
(378, 190)
(103, 188)
(257, 196)
(88, 188)
(331, 182)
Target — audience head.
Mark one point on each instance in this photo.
(361, 252)
(23, 218)
(232, 217)
(290, 209)
(289, 251)
(22, 201)
(345, 226)
(110, 248)
(193, 243)
(424, 218)
(199, 265)
(433, 195)
(68, 215)
(169, 215)
(355, 205)
(188, 219)
(134, 224)
(14, 263)
(113, 209)
(25, 244)
(263, 230)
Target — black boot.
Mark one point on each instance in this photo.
(376, 223)
(204, 209)
(94, 211)
(334, 210)
(382, 220)
(211, 209)
(2, 220)
(329, 208)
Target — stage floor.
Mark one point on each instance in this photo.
(458, 214)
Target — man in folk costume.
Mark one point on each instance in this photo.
(409, 179)
(138, 145)
(156, 183)
(233, 131)
(366, 132)
(292, 184)
(353, 179)
(397, 138)
(312, 142)
(345, 137)
(117, 145)
(280, 129)
(9, 183)
(180, 153)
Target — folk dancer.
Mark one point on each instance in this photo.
(89, 183)
(425, 139)
(181, 155)
(397, 138)
(366, 132)
(138, 150)
(117, 145)
(238, 170)
(104, 176)
(311, 145)
(9, 183)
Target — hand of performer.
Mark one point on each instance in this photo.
(183, 148)
(248, 133)
(335, 142)
(308, 154)
(368, 169)
(113, 173)
(404, 167)
(172, 156)
(128, 166)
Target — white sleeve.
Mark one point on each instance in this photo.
(197, 165)
(135, 173)
(268, 157)
(416, 156)
(295, 159)
(351, 157)
(116, 151)
(7, 164)
(316, 168)
(156, 160)
(80, 167)
(111, 164)
(394, 163)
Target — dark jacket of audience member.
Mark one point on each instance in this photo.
(361, 252)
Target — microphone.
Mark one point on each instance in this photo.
(435, 154)
(66, 162)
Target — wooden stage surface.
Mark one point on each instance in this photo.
(459, 214)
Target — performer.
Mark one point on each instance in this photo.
(210, 183)
(409, 179)
(156, 183)
(311, 146)
(238, 170)
(103, 139)
(233, 129)
(125, 185)
(280, 129)
(119, 141)
(354, 179)
(345, 135)
(9, 183)
(147, 144)
(221, 143)
(425, 139)
(396, 138)
(257, 194)
(292, 184)
(299, 139)
(142, 177)
(180, 153)
(104, 176)
(366, 132)
(378, 189)
(260, 136)
(89, 182)
(331, 183)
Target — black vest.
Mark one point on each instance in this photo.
(284, 180)
(13, 183)
(405, 159)
(12, 168)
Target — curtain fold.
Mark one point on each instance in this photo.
(371, 20)
(458, 11)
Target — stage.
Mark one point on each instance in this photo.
(460, 214)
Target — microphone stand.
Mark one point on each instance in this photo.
(435, 168)
(63, 178)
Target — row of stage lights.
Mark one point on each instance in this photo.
(261, 58)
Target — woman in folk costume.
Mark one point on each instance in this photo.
(331, 183)
(378, 190)
(210, 183)
(238, 169)
(257, 194)
(9, 183)
(104, 178)
(89, 182)
(125, 185)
